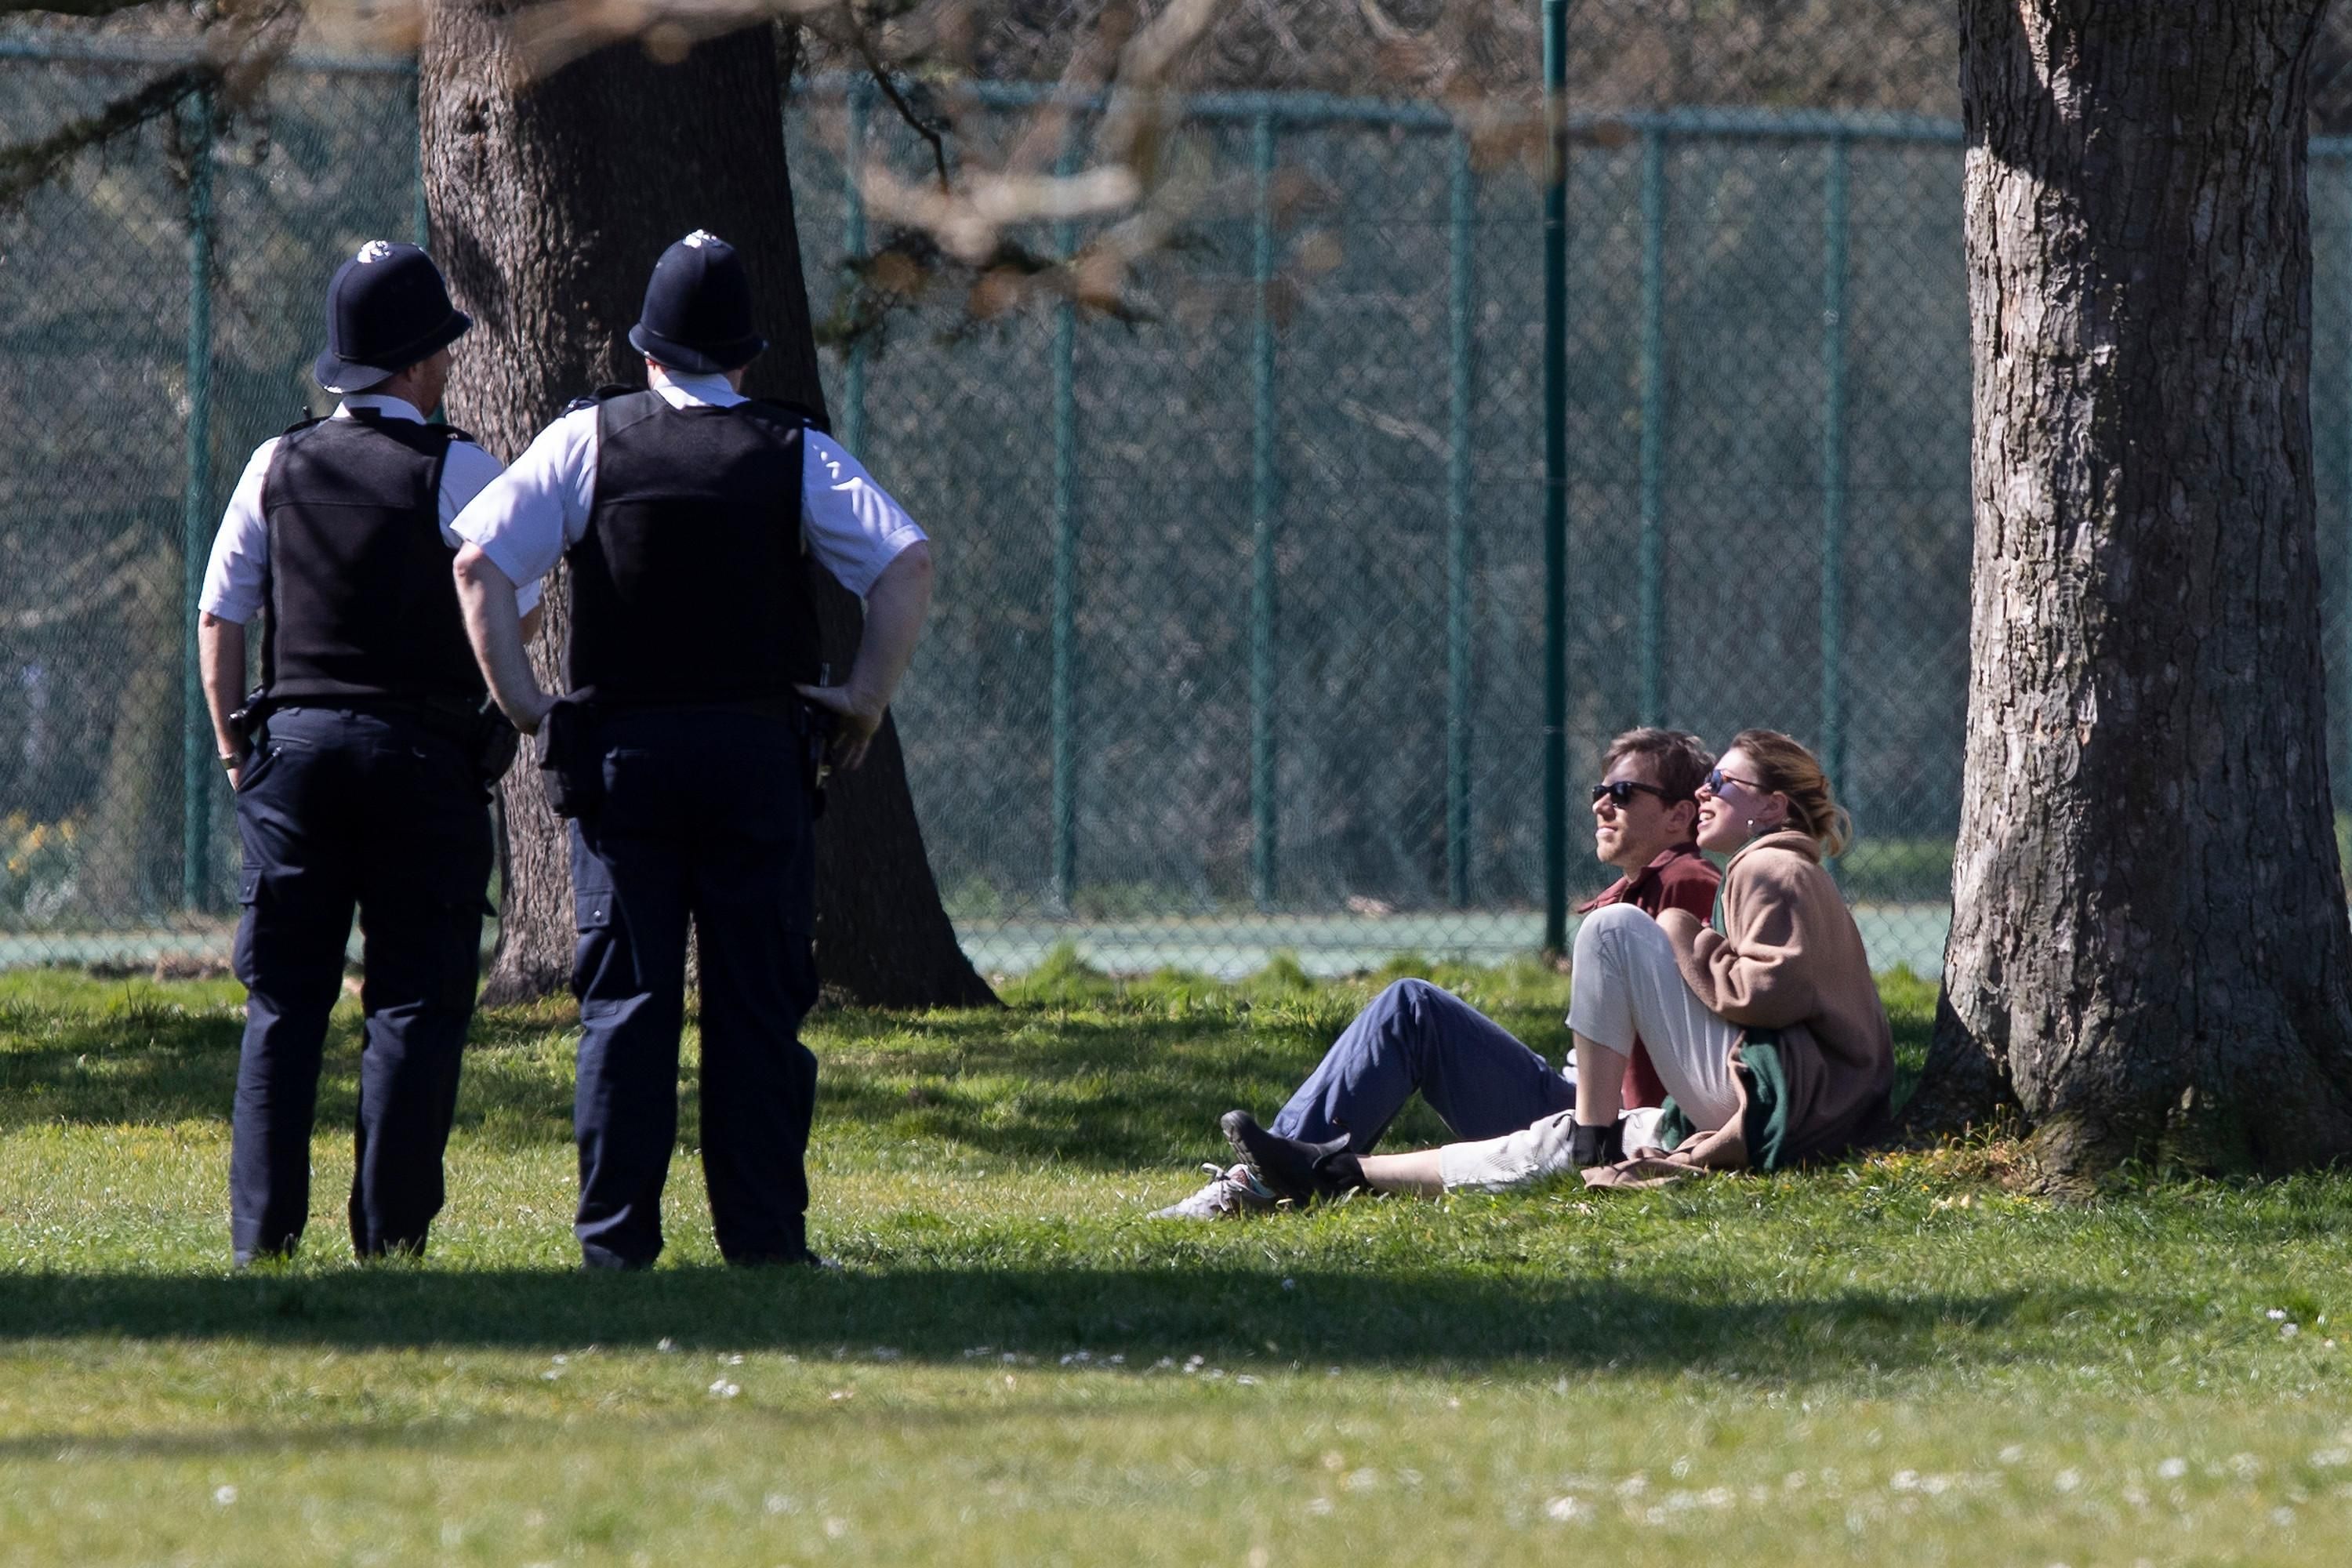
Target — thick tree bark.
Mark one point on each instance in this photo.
(550, 202)
(2149, 954)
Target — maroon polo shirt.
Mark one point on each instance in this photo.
(1681, 878)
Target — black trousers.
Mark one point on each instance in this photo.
(342, 809)
(704, 817)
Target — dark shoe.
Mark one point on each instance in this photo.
(1291, 1168)
(801, 1259)
(277, 1257)
(1603, 1145)
(599, 1261)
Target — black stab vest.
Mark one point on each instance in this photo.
(687, 587)
(362, 601)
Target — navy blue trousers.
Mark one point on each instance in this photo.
(705, 819)
(341, 810)
(1417, 1039)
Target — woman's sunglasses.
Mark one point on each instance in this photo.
(1621, 792)
(1718, 778)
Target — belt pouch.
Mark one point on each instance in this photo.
(570, 771)
(493, 744)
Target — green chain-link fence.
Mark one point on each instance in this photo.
(1241, 646)
(156, 307)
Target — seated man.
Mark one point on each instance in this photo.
(1481, 1081)
(1764, 1024)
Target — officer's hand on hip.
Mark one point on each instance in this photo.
(859, 718)
(525, 710)
(530, 712)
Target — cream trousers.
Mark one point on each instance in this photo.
(1626, 983)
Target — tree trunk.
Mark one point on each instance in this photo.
(550, 202)
(2149, 954)
(125, 842)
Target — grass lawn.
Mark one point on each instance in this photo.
(1896, 1362)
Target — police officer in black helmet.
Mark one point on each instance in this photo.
(359, 765)
(681, 746)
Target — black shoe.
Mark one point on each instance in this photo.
(603, 1262)
(1289, 1167)
(803, 1258)
(279, 1257)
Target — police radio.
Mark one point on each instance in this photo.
(817, 724)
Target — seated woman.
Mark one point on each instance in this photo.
(1765, 1027)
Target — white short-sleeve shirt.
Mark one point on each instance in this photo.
(237, 577)
(540, 508)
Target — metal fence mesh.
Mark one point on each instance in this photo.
(157, 310)
(1241, 646)
(1304, 631)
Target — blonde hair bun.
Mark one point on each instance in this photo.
(1789, 769)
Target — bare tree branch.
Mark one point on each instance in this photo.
(882, 79)
(963, 214)
(552, 35)
(1092, 61)
(1136, 118)
(240, 52)
(86, 9)
(969, 218)
(968, 222)
(25, 168)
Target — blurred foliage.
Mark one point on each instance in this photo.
(38, 862)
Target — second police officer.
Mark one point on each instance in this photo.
(359, 767)
(685, 510)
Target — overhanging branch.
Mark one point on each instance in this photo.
(237, 54)
(86, 9)
(24, 169)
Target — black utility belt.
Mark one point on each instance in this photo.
(454, 717)
(476, 729)
(793, 710)
(571, 753)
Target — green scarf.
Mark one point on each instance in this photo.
(1766, 1124)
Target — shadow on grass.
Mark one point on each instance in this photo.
(1106, 1091)
(957, 1316)
(1109, 1088)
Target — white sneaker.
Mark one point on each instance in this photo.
(1229, 1194)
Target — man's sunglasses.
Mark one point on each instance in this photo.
(1621, 792)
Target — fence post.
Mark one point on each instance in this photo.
(1652, 595)
(1555, 379)
(1065, 575)
(853, 239)
(196, 756)
(1262, 849)
(1457, 531)
(1835, 238)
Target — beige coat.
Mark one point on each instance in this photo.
(1789, 959)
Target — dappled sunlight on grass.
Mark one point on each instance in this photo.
(1900, 1358)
